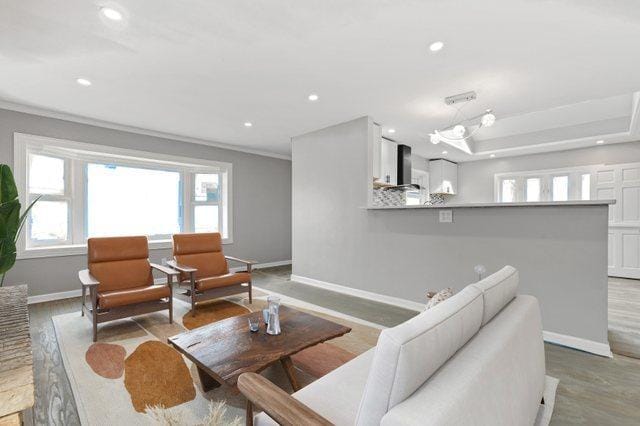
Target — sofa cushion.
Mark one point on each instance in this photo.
(497, 378)
(335, 396)
(408, 354)
(498, 290)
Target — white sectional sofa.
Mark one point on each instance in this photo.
(474, 359)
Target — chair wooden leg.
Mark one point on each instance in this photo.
(170, 284)
(193, 295)
(84, 296)
(250, 293)
(94, 312)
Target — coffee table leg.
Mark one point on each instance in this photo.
(287, 364)
(207, 381)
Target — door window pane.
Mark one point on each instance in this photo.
(586, 186)
(533, 189)
(132, 201)
(49, 221)
(207, 188)
(46, 175)
(560, 188)
(508, 190)
(205, 218)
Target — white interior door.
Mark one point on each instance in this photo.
(622, 183)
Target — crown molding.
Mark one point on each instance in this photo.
(43, 112)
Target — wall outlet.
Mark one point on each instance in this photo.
(446, 216)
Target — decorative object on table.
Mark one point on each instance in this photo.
(265, 315)
(11, 219)
(254, 323)
(433, 298)
(273, 326)
(480, 270)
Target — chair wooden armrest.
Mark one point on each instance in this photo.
(87, 279)
(278, 404)
(164, 269)
(182, 268)
(236, 259)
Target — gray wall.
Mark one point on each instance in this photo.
(261, 197)
(561, 252)
(475, 178)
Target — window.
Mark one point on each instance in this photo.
(560, 188)
(585, 186)
(544, 185)
(508, 191)
(94, 191)
(533, 190)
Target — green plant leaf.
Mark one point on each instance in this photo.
(7, 254)
(8, 189)
(9, 219)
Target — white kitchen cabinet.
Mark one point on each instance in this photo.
(377, 148)
(388, 161)
(443, 177)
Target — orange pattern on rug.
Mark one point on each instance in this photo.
(106, 359)
(209, 312)
(321, 359)
(156, 374)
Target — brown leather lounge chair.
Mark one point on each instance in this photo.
(120, 281)
(204, 268)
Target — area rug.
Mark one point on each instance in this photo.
(132, 368)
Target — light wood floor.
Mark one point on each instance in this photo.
(624, 316)
(593, 390)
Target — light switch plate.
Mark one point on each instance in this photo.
(446, 216)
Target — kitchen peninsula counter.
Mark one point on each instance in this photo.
(504, 205)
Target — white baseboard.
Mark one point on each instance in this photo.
(389, 300)
(54, 296)
(585, 345)
(77, 293)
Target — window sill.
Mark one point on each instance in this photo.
(81, 249)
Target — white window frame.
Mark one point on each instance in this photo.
(80, 153)
(546, 176)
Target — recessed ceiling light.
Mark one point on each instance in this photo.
(492, 156)
(436, 46)
(313, 97)
(600, 142)
(444, 152)
(83, 82)
(391, 130)
(248, 124)
(111, 13)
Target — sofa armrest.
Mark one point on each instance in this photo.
(278, 404)
(182, 268)
(87, 279)
(164, 269)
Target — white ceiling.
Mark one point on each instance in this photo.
(558, 73)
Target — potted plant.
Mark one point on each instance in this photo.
(11, 221)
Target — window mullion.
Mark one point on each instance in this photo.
(78, 201)
(187, 202)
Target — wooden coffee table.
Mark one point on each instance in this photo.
(224, 350)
